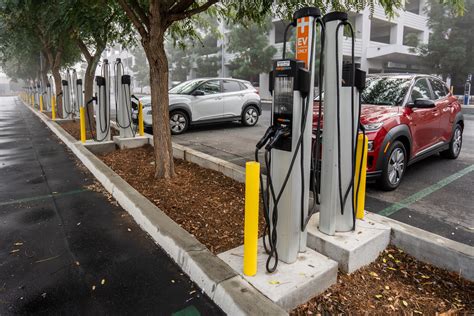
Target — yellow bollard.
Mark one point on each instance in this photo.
(53, 108)
(41, 103)
(32, 100)
(82, 123)
(252, 198)
(362, 143)
(141, 128)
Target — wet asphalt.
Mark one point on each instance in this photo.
(67, 249)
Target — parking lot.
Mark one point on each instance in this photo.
(435, 194)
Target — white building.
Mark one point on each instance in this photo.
(381, 45)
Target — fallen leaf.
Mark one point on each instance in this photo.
(129, 229)
(405, 303)
(387, 287)
(18, 244)
(14, 250)
(274, 282)
(77, 263)
(102, 282)
(373, 274)
(93, 288)
(378, 296)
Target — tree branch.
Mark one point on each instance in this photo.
(189, 13)
(134, 18)
(83, 48)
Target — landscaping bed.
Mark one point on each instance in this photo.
(395, 283)
(204, 202)
(74, 129)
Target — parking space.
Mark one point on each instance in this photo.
(435, 194)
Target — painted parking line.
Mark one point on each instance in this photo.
(425, 192)
(43, 197)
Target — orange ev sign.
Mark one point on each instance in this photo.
(302, 40)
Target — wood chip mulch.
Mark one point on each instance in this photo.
(206, 203)
(395, 283)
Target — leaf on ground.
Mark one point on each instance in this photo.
(18, 244)
(372, 273)
(273, 282)
(378, 296)
(405, 303)
(14, 250)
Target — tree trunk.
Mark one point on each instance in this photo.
(89, 88)
(163, 150)
(59, 89)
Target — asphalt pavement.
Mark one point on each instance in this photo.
(435, 195)
(68, 249)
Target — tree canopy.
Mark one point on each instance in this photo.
(450, 48)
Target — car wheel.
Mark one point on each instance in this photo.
(179, 122)
(394, 166)
(455, 145)
(250, 116)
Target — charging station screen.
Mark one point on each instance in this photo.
(283, 104)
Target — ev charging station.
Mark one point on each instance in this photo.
(102, 108)
(341, 125)
(66, 95)
(300, 248)
(123, 101)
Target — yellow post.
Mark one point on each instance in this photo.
(32, 100)
(41, 103)
(53, 108)
(359, 187)
(141, 128)
(82, 121)
(252, 198)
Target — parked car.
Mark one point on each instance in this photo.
(210, 100)
(407, 118)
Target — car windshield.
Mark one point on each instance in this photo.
(385, 90)
(185, 87)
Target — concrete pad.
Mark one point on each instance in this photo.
(292, 284)
(352, 250)
(99, 148)
(130, 142)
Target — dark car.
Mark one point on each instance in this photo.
(407, 118)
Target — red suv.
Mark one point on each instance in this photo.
(407, 118)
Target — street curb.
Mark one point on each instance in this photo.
(467, 109)
(428, 247)
(226, 288)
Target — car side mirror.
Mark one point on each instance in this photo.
(197, 93)
(422, 104)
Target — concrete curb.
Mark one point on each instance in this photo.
(425, 246)
(467, 109)
(227, 289)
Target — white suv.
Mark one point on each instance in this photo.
(209, 100)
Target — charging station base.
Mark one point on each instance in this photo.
(353, 249)
(99, 148)
(291, 284)
(130, 142)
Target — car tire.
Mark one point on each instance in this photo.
(179, 122)
(250, 116)
(455, 144)
(393, 167)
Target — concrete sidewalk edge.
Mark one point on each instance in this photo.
(229, 291)
(428, 247)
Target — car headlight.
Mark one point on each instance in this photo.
(373, 126)
(370, 146)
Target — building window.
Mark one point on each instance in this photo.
(413, 6)
(380, 31)
(411, 37)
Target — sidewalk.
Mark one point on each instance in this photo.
(68, 249)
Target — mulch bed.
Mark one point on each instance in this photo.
(74, 129)
(395, 283)
(206, 203)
